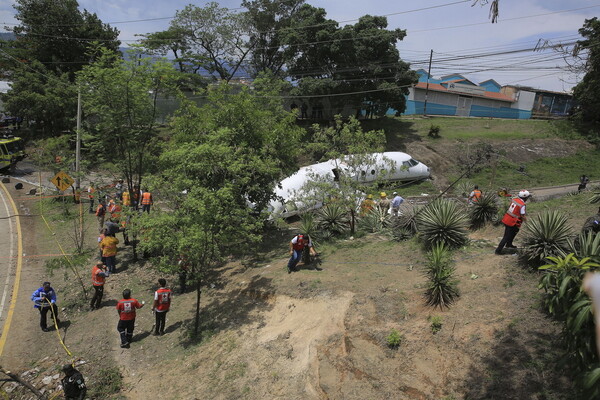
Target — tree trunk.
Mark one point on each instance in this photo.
(198, 295)
(23, 382)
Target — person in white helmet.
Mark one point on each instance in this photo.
(512, 220)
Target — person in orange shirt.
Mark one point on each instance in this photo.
(146, 201)
(99, 275)
(126, 308)
(109, 252)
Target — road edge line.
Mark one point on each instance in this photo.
(13, 300)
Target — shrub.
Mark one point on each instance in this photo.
(442, 286)
(586, 245)
(308, 225)
(436, 323)
(434, 131)
(394, 339)
(546, 234)
(408, 219)
(463, 188)
(333, 218)
(484, 210)
(375, 220)
(443, 221)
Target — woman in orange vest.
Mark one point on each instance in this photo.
(99, 274)
(512, 221)
(162, 304)
(146, 201)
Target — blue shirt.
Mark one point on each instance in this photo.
(397, 201)
(38, 297)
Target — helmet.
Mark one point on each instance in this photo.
(382, 194)
(524, 194)
(369, 196)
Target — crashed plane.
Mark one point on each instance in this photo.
(381, 167)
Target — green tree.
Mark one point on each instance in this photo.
(223, 157)
(360, 59)
(587, 91)
(120, 102)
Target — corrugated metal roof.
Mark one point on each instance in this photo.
(487, 95)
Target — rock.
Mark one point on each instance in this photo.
(55, 377)
(5, 180)
(47, 380)
(19, 186)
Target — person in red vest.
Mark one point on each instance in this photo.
(99, 275)
(162, 303)
(475, 195)
(126, 308)
(115, 209)
(146, 201)
(512, 221)
(297, 245)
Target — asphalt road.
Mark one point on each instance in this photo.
(8, 261)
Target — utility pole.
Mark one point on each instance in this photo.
(78, 143)
(427, 88)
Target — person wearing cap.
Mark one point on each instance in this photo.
(99, 274)
(297, 245)
(126, 308)
(44, 299)
(367, 205)
(512, 220)
(73, 383)
(384, 203)
(396, 202)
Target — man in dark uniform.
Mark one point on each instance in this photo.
(73, 383)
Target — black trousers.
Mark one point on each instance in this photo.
(125, 329)
(97, 298)
(43, 316)
(160, 321)
(507, 240)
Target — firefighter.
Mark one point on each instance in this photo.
(367, 205)
(126, 308)
(475, 195)
(384, 203)
(297, 245)
(162, 303)
(99, 274)
(146, 201)
(44, 299)
(512, 220)
(73, 383)
(126, 198)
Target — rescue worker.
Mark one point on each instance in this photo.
(91, 192)
(126, 308)
(108, 245)
(99, 274)
(44, 299)
(124, 223)
(126, 198)
(475, 195)
(146, 201)
(162, 303)
(396, 202)
(100, 213)
(115, 211)
(384, 203)
(367, 205)
(136, 197)
(583, 181)
(73, 383)
(512, 221)
(592, 224)
(111, 227)
(297, 245)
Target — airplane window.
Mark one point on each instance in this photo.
(363, 173)
(406, 164)
(372, 172)
(336, 174)
(413, 162)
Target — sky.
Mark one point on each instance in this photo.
(451, 28)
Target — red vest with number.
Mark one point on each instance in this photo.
(300, 243)
(513, 215)
(146, 198)
(97, 280)
(476, 194)
(164, 299)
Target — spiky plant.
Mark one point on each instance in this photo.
(333, 218)
(586, 245)
(400, 233)
(442, 286)
(375, 220)
(308, 225)
(546, 235)
(408, 218)
(484, 210)
(463, 188)
(443, 221)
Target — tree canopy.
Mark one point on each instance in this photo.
(587, 91)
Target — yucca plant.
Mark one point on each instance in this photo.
(333, 218)
(463, 188)
(308, 225)
(586, 245)
(443, 221)
(408, 218)
(546, 235)
(375, 220)
(484, 210)
(595, 198)
(442, 286)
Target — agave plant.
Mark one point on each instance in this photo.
(375, 220)
(333, 218)
(586, 244)
(308, 224)
(442, 287)
(408, 218)
(595, 198)
(484, 210)
(546, 235)
(443, 221)
(463, 188)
